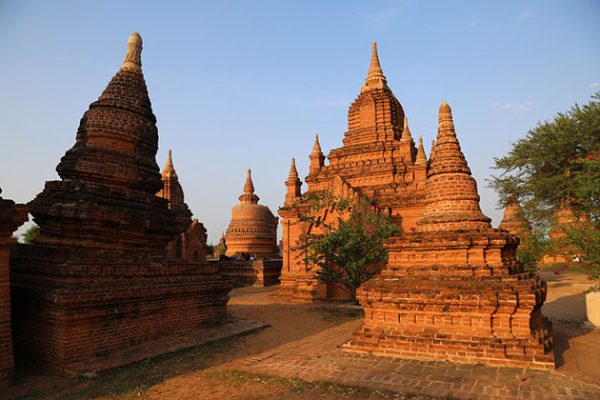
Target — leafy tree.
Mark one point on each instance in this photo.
(346, 247)
(31, 234)
(558, 164)
(531, 249)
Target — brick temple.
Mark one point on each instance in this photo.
(251, 238)
(453, 289)
(514, 220)
(253, 227)
(11, 216)
(190, 242)
(379, 159)
(560, 253)
(98, 278)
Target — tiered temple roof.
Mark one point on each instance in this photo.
(98, 278)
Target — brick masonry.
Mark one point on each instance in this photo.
(11, 216)
(98, 279)
(379, 159)
(453, 290)
(253, 227)
(257, 273)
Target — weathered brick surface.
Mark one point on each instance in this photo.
(453, 290)
(190, 243)
(98, 279)
(514, 220)
(379, 159)
(11, 216)
(257, 273)
(253, 227)
(73, 305)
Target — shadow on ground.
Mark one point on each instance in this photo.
(289, 322)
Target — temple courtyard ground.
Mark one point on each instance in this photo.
(299, 357)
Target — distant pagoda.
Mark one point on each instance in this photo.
(253, 227)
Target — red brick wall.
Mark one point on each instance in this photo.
(67, 313)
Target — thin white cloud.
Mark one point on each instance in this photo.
(594, 85)
(380, 20)
(509, 106)
(473, 23)
(525, 14)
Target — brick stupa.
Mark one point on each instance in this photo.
(379, 159)
(253, 227)
(11, 216)
(514, 220)
(559, 252)
(453, 289)
(190, 243)
(98, 279)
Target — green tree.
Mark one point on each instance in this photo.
(557, 164)
(31, 234)
(346, 247)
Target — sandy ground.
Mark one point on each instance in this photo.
(200, 374)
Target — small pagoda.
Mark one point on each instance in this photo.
(253, 227)
(190, 243)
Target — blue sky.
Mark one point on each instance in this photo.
(242, 84)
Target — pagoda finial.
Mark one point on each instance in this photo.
(317, 146)
(133, 57)
(421, 156)
(293, 171)
(293, 184)
(406, 135)
(432, 150)
(375, 78)
(169, 169)
(249, 186)
(446, 123)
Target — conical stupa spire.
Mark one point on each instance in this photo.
(317, 146)
(293, 171)
(293, 184)
(249, 186)
(406, 135)
(119, 133)
(447, 143)
(452, 201)
(133, 57)
(421, 158)
(432, 150)
(169, 169)
(317, 159)
(375, 78)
